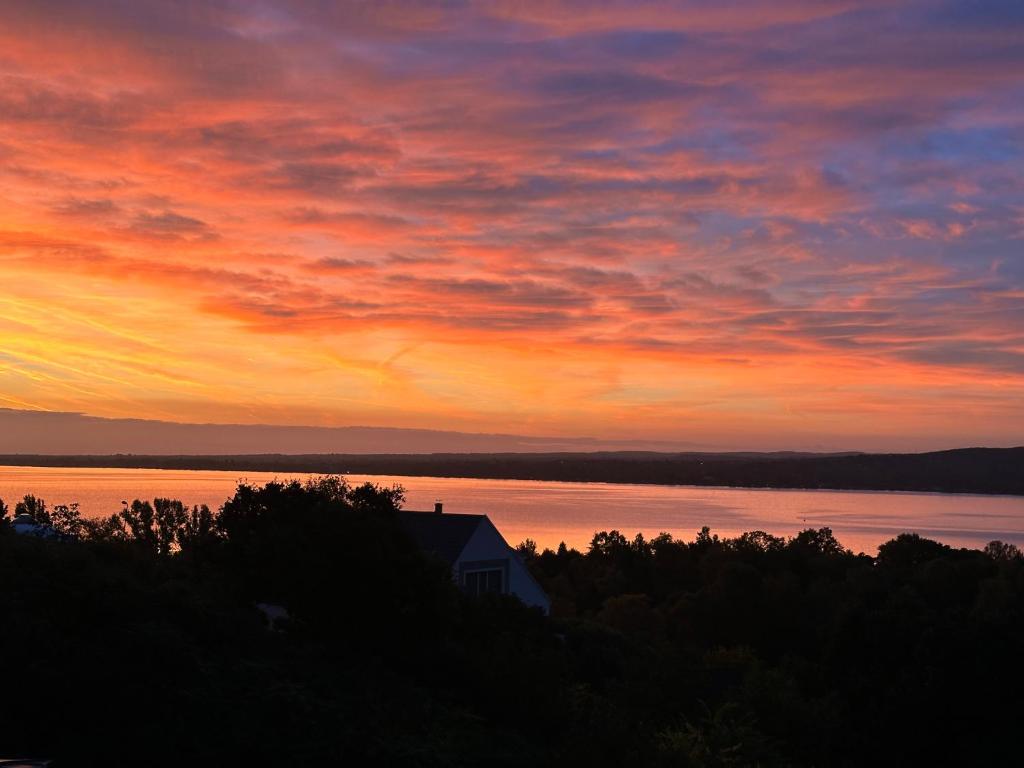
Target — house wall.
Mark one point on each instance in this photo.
(487, 543)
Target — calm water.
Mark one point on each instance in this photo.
(551, 512)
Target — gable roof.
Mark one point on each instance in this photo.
(26, 524)
(444, 535)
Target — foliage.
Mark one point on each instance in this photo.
(62, 520)
(136, 639)
(964, 470)
(761, 651)
(527, 549)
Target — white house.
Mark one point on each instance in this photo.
(480, 558)
(24, 523)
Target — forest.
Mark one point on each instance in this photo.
(962, 470)
(139, 639)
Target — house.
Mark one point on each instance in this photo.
(480, 558)
(24, 523)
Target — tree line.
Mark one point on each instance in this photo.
(963, 470)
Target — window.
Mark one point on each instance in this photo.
(482, 577)
(484, 582)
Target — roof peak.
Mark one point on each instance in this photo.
(432, 513)
(443, 535)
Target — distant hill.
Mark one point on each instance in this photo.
(965, 470)
(45, 432)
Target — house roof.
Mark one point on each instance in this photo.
(25, 523)
(444, 535)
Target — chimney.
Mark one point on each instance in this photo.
(438, 507)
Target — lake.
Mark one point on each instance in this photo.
(551, 512)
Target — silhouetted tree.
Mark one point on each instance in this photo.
(66, 520)
(818, 540)
(608, 543)
(745, 651)
(910, 550)
(1001, 551)
(705, 539)
(758, 541)
(527, 549)
(34, 508)
(139, 520)
(198, 529)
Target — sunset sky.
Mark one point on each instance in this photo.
(778, 224)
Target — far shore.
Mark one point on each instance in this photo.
(998, 471)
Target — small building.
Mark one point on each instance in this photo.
(24, 523)
(480, 558)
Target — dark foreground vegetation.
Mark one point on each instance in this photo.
(137, 640)
(965, 470)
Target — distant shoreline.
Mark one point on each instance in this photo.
(285, 475)
(982, 471)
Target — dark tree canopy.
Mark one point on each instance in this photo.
(299, 625)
